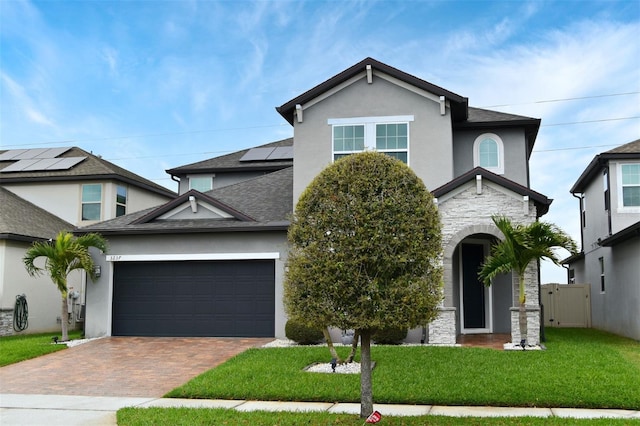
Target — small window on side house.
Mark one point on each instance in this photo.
(121, 201)
(91, 201)
(572, 276)
(202, 184)
(488, 153)
(602, 286)
(630, 185)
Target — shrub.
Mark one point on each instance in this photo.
(302, 334)
(390, 336)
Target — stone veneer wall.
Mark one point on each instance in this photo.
(6, 322)
(466, 211)
(442, 330)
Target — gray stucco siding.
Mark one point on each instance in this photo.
(515, 152)
(229, 246)
(430, 153)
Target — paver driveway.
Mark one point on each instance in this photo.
(122, 366)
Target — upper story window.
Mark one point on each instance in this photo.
(91, 201)
(201, 183)
(630, 176)
(488, 153)
(121, 200)
(389, 135)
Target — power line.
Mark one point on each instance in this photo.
(564, 99)
(146, 135)
(590, 121)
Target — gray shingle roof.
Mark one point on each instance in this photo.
(90, 168)
(628, 148)
(22, 220)
(232, 162)
(630, 151)
(268, 199)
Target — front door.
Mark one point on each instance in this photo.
(475, 298)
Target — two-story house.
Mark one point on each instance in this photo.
(225, 249)
(47, 190)
(609, 260)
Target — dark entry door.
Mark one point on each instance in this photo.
(473, 291)
(194, 298)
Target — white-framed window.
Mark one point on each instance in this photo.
(201, 183)
(91, 201)
(121, 200)
(389, 135)
(488, 153)
(630, 186)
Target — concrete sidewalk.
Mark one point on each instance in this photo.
(53, 410)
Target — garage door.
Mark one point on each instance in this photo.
(194, 298)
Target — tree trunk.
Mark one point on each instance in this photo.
(522, 317)
(354, 346)
(366, 388)
(65, 319)
(332, 349)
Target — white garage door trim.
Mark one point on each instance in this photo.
(191, 256)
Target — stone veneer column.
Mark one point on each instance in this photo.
(533, 325)
(442, 330)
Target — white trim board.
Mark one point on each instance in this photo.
(190, 256)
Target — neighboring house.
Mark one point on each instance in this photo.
(475, 161)
(48, 190)
(609, 194)
(22, 223)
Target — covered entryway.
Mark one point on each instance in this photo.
(222, 298)
(475, 297)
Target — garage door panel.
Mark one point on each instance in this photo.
(195, 298)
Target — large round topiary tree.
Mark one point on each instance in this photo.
(365, 252)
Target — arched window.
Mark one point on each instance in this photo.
(488, 153)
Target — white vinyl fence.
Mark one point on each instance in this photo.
(566, 305)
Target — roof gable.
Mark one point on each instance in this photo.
(458, 103)
(628, 151)
(193, 205)
(22, 220)
(541, 201)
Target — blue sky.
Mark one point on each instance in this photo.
(152, 85)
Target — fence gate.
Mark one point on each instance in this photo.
(567, 305)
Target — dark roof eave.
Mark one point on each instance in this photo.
(596, 165)
(621, 236)
(18, 237)
(573, 258)
(124, 179)
(459, 104)
(279, 227)
(182, 172)
(542, 202)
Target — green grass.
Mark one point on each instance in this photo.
(581, 368)
(189, 417)
(26, 346)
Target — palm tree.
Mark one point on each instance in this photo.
(63, 255)
(523, 244)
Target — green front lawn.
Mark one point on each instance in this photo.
(581, 368)
(25, 346)
(194, 417)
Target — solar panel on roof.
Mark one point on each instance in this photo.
(11, 154)
(281, 153)
(257, 154)
(19, 166)
(30, 154)
(42, 164)
(54, 152)
(66, 163)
